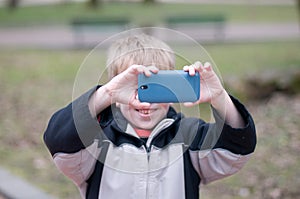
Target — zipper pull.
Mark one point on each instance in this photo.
(148, 149)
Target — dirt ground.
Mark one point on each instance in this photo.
(273, 171)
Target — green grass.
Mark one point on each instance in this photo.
(244, 59)
(272, 171)
(35, 83)
(141, 14)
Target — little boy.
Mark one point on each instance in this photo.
(113, 146)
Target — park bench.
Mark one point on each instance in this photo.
(83, 28)
(204, 24)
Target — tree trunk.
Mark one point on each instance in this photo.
(94, 3)
(12, 4)
(149, 1)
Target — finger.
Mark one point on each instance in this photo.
(138, 68)
(142, 69)
(149, 70)
(207, 66)
(153, 69)
(188, 104)
(198, 65)
(186, 68)
(147, 73)
(192, 71)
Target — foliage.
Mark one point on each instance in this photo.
(140, 13)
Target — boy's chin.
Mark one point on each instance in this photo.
(148, 126)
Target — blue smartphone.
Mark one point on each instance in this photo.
(167, 86)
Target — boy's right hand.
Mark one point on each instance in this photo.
(123, 87)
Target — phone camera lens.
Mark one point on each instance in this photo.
(143, 87)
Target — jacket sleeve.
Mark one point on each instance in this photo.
(219, 150)
(72, 128)
(72, 137)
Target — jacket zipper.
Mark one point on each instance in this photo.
(148, 150)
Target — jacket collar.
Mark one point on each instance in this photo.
(112, 115)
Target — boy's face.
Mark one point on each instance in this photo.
(144, 118)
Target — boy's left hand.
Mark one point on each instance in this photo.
(210, 84)
(212, 91)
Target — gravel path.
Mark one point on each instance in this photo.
(58, 37)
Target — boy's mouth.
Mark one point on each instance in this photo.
(145, 111)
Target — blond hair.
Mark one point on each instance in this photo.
(139, 49)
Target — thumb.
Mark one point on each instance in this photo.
(188, 104)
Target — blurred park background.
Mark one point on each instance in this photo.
(254, 43)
